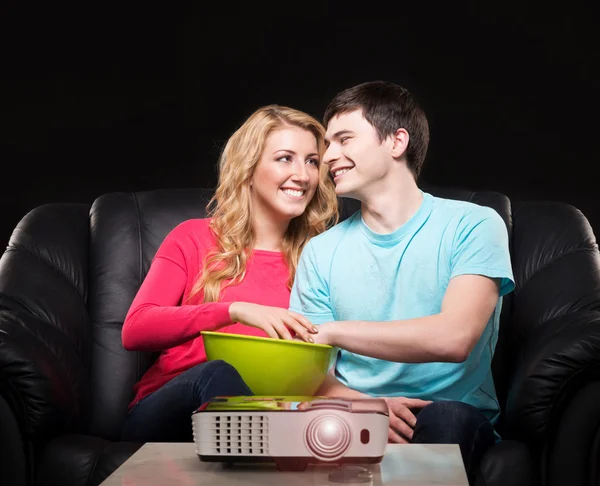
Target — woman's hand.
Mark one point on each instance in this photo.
(272, 320)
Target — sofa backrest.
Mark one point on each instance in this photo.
(45, 337)
(125, 233)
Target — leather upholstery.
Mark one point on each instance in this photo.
(71, 271)
(125, 233)
(507, 463)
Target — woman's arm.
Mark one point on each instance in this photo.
(156, 320)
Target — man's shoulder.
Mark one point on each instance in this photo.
(463, 211)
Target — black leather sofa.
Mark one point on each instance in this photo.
(71, 271)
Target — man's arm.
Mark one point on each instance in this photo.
(480, 273)
(448, 336)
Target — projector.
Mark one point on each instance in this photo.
(291, 432)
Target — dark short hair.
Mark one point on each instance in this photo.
(387, 107)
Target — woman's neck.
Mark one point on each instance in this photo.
(269, 235)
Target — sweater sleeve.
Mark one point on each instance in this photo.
(156, 321)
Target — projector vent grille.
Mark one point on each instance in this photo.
(243, 434)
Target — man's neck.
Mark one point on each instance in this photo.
(387, 210)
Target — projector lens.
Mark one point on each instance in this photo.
(328, 437)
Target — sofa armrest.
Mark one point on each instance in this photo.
(561, 357)
(572, 452)
(41, 380)
(45, 332)
(508, 462)
(13, 459)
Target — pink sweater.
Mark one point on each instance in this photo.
(157, 321)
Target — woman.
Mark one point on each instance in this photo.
(230, 272)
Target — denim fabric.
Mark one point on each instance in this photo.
(451, 422)
(166, 414)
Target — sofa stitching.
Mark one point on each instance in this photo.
(139, 233)
(138, 223)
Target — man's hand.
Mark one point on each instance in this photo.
(324, 336)
(402, 420)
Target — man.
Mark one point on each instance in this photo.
(410, 287)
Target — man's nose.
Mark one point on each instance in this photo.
(330, 155)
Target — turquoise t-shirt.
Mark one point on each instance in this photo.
(352, 273)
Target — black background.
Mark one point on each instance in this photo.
(132, 97)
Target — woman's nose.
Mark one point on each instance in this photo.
(301, 172)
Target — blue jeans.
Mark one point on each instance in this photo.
(166, 414)
(450, 422)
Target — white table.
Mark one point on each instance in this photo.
(167, 464)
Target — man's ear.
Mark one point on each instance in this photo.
(399, 143)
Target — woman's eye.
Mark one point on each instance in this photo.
(314, 162)
(285, 158)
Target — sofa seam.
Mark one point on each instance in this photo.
(139, 234)
(138, 223)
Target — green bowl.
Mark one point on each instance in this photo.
(272, 367)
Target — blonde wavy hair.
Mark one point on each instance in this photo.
(230, 207)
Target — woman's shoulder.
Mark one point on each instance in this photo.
(195, 224)
(197, 229)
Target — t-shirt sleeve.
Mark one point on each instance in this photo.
(156, 319)
(310, 292)
(481, 248)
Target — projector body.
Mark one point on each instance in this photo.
(292, 432)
